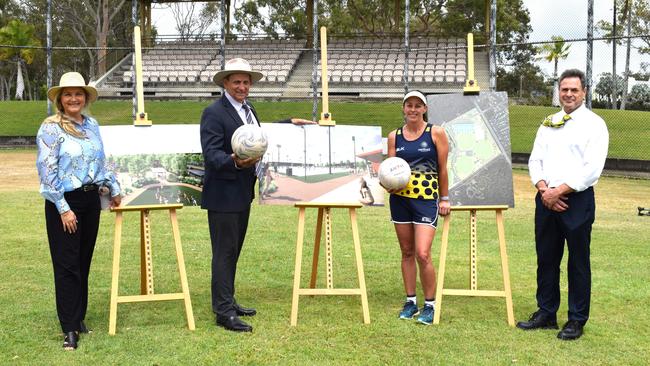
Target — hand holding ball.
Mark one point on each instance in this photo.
(249, 141)
(394, 173)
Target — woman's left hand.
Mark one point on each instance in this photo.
(444, 208)
(69, 220)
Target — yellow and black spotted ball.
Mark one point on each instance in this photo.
(422, 185)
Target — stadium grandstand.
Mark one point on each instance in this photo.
(357, 67)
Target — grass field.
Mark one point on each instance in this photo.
(629, 132)
(330, 329)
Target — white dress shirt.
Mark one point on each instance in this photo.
(240, 109)
(573, 154)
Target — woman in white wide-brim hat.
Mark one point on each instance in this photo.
(72, 172)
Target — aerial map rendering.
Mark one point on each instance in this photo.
(479, 146)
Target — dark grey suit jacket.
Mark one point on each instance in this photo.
(225, 187)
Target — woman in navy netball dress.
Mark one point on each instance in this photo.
(415, 209)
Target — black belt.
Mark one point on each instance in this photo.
(87, 188)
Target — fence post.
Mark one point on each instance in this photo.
(407, 17)
(49, 53)
(590, 49)
(493, 45)
(314, 71)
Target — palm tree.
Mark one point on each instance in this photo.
(629, 12)
(18, 34)
(558, 50)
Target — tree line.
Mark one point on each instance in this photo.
(102, 24)
(97, 24)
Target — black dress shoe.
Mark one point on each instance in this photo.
(538, 320)
(70, 340)
(83, 328)
(242, 311)
(233, 323)
(571, 330)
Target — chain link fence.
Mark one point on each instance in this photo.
(366, 73)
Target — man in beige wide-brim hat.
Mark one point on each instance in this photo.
(237, 66)
(72, 80)
(228, 186)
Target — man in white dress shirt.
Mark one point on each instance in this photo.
(567, 158)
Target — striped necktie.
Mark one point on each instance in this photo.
(249, 120)
(248, 113)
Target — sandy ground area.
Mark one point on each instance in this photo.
(18, 170)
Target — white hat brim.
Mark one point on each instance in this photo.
(218, 77)
(54, 91)
(416, 94)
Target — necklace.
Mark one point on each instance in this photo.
(410, 134)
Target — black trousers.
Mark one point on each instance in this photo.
(72, 254)
(552, 229)
(227, 234)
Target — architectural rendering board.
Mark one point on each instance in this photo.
(480, 163)
(163, 164)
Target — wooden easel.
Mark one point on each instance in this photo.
(474, 291)
(324, 211)
(146, 264)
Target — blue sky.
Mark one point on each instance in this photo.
(568, 18)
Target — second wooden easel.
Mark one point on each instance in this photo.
(324, 217)
(473, 259)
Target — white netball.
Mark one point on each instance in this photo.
(394, 173)
(249, 141)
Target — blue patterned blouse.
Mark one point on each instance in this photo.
(65, 162)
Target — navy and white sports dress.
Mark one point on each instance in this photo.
(422, 156)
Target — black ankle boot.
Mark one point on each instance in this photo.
(70, 340)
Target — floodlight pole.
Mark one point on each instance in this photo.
(354, 147)
(329, 148)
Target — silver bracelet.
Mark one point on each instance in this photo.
(444, 198)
